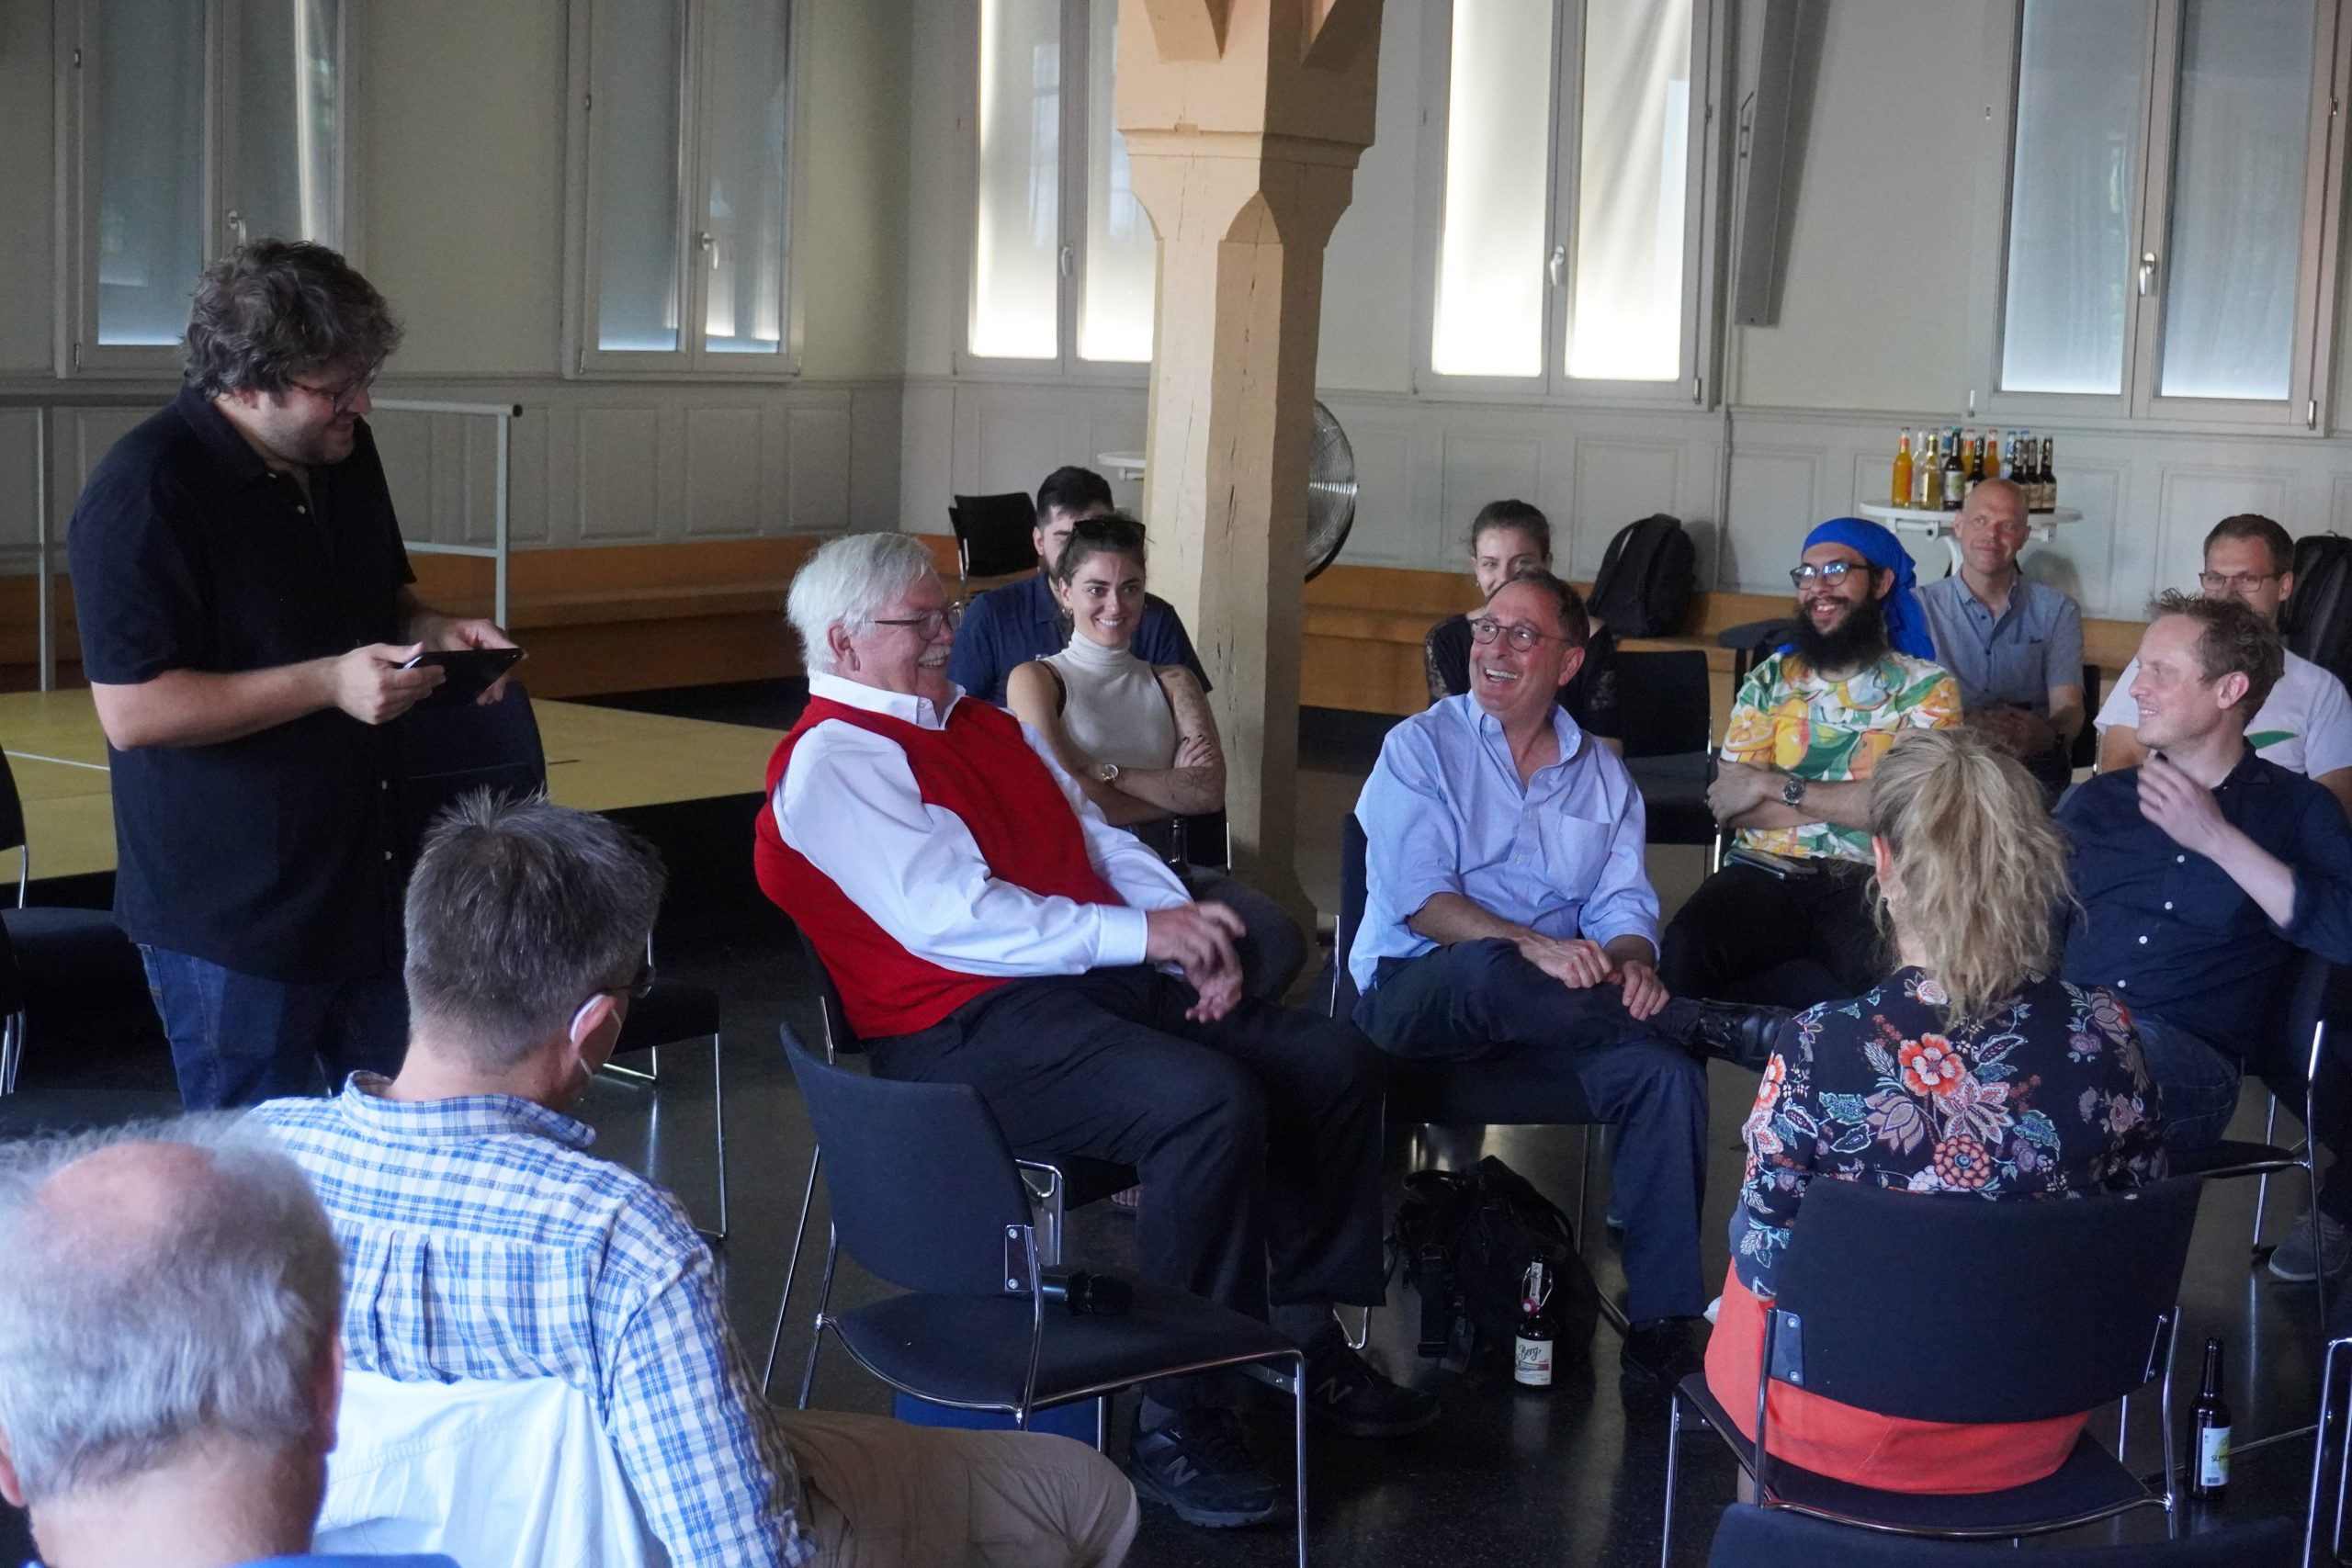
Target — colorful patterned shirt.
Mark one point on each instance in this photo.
(1794, 721)
(481, 1239)
(2048, 1097)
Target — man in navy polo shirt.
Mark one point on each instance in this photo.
(245, 616)
(1011, 625)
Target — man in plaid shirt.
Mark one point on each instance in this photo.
(481, 1239)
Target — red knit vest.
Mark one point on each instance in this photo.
(980, 768)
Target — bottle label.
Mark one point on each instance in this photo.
(2212, 1456)
(1534, 1366)
(1955, 487)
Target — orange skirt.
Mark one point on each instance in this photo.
(1885, 1451)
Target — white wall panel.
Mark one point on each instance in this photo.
(723, 471)
(618, 464)
(2193, 499)
(1618, 482)
(1775, 501)
(819, 481)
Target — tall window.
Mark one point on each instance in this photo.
(1064, 261)
(1567, 246)
(192, 127)
(2168, 208)
(680, 185)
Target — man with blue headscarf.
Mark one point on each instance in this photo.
(1784, 922)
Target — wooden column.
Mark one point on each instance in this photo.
(1244, 120)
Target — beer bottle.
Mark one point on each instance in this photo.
(1955, 475)
(1533, 1367)
(1901, 490)
(2047, 474)
(2208, 1475)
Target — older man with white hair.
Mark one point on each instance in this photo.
(986, 926)
(169, 1366)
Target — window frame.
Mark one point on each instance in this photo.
(582, 359)
(2139, 405)
(1697, 384)
(76, 33)
(1067, 366)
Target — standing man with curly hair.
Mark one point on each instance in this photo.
(245, 614)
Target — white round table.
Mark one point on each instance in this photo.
(1937, 525)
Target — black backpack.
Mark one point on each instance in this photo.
(1466, 1239)
(2317, 620)
(1647, 578)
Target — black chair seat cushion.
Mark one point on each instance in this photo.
(32, 1112)
(1750, 1537)
(675, 1010)
(1497, 1089)
(71, 954)
(1084, 1179)
(974, 1351)
(2091, 1483)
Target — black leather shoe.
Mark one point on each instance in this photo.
(1659, 1353)
(1197, 1464)
(1740, 1034)
(1346, 1394)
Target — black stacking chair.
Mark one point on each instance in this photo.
(1501, 1092)
(63, 956)
(991, 538)
(1059, 1182)
(1663, 711)
(1750, 1537)
(2083, 753)
(1751, 644)
(446, 751)
(926, 1197)
(1865, 1267)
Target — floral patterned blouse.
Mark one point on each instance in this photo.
(2047, 1096)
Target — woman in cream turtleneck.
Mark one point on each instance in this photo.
(1139, 740)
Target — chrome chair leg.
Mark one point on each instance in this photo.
(718, 1124)
(1673, 1455)
(791, 1270)
(817, 1334)
(2262, 1183)
(1298, 1439)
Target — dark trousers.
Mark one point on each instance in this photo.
(239, 1039)
(1271, 948)
(1255, 1136)
(1749, 936)
(1481, 1000)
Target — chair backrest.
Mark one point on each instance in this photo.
(481, 1472)
(1352, 845)
(2083, 753)
(992, 532)
(2305, 1003)
(443, 751)
(12, 808)
(1750, 1537)
(840, 1038)
(2064, 1298)
(1663, 704)
(924, 1190)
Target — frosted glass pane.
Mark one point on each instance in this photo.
(2243, 128)
(2072, 195)
(1016, 240)
(1122, 276)
(1633, 171)
(289, 182)
(1493, 243)
(636, 161)
(149, 123)
(745, 210)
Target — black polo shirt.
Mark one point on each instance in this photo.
(271, 854)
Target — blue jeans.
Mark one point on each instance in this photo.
(2197, 1082)
(239, 1039)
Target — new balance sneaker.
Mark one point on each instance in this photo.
(2316, 1246)
(1197, 1464)
(1346, 1394)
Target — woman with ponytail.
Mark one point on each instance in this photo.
(1971, 1069)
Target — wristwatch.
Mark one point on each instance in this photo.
(1106, 773)
(1793, 792)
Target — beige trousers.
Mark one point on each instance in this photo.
(885, 1495)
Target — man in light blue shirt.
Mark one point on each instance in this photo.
(2015, 646)
(1509, 913)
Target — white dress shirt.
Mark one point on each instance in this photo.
(848, 802)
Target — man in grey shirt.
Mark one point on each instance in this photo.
(2014, 645)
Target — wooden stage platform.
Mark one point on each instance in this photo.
(598, 759)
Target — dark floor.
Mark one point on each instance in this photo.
(1570, 1477)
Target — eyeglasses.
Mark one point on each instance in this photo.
(640, 984)
(2235, 582)
(1830, 572)
(342, 397)
(1522, 638)
(928, 625)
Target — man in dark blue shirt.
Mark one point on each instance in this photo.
(2201, 871)
(1011, 625)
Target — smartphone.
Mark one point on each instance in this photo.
(466, 672)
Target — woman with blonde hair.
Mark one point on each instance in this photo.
(1973, 1069)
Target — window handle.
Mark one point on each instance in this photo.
(709, 248)
(2147, 271)
(1067, 260)
(235, 221)
(1558, 264)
